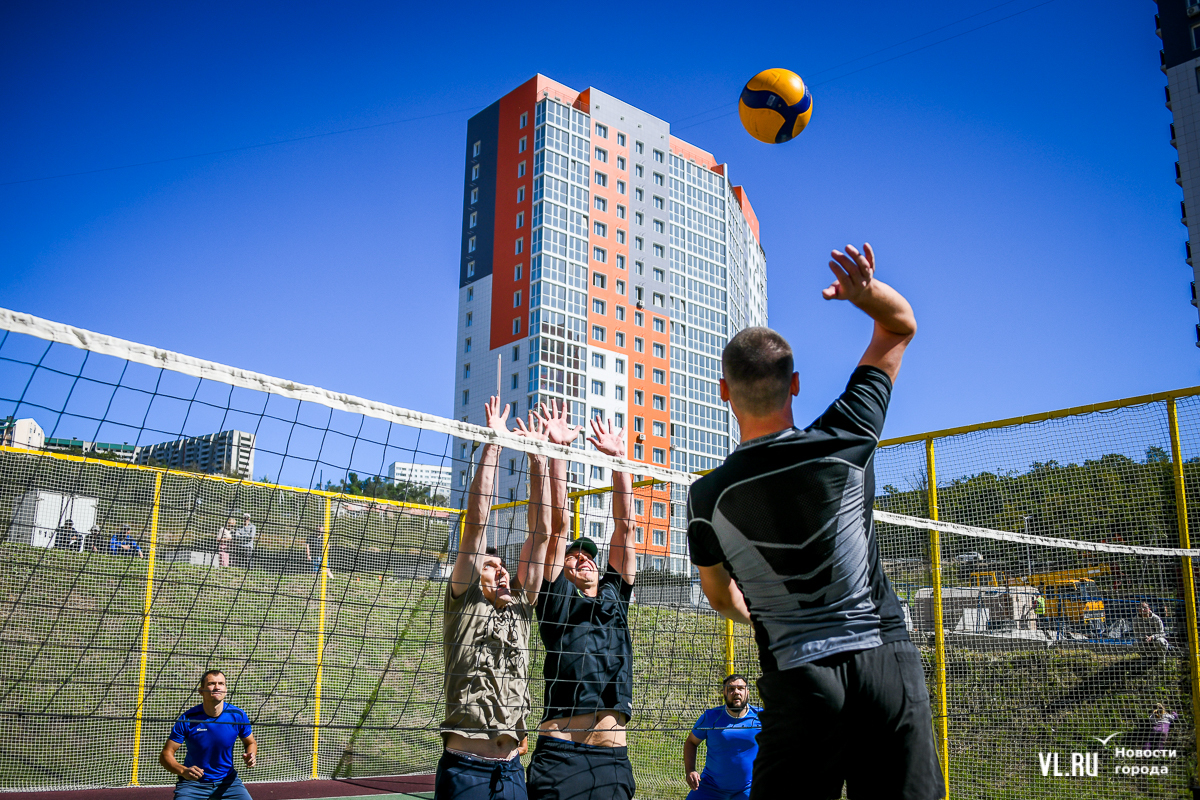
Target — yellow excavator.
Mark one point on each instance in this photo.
(1069, 594)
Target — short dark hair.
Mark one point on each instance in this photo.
(734, 677)
(204, 677)
(491, 551)
(757, 365)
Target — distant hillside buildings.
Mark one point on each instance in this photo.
(436, 478)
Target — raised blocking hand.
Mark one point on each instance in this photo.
(610, 440)
(854, 271)
(554, 419)
(493, 417)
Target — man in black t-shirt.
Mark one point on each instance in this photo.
(583, 620)
(783, 536)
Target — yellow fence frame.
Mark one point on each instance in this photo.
(141, 701)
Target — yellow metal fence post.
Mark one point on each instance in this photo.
(316, 745)
(728, 647)
(1189, 581)
(941, 722)
(575, 523)
(141, 702)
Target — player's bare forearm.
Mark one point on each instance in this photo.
(250, 756)
(533, 551)
(621, 556)
(888, 308)
(895, 323)
(556, 549)
(723, 594)
(479, 506)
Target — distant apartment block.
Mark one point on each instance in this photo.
(22, 433)
(436, 478)
(227, 452)
(604, 264)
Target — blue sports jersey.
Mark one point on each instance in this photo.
(729, 762)
(210, 739)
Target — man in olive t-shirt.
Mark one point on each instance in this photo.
(486, 637)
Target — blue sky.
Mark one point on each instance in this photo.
(1016, 182)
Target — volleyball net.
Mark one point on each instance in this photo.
(177, 515)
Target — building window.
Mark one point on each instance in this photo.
(659, 300)
(659, 274)
(597, 333)
(514, 384)
(600, 203)
(639, 243)
(660, 540)
(1196, 37)
(520, 246)
(620, 261)
(639, 148)
(524, 119)
(638, 452)
(599, 280)
(520, 219)
(660, 251)
(639, 399)
(658, 156)
(660, 403)
(659, 350)
(597, 388)
(619, 339)
(639, 195)
(521, 145)
(620, 211)
(619, 392)
(620, 140)
(475, 149)
(618, 417)
(462, 477)
(598, 307)
(639, 218)
(474, 196)
(475, 172)
(517, 272)
(601, 155)
(600, 229)
(520, 194)
(516, 352)
(473, 220)
(620, 187)
(621, 163)
(521, 170)
(466, 396)
(639, 371)
(620, 287)
(517, 299)
(659, 202)
(471, 274)
(619, 366)
(470, 319)
(601, 131)
(598, 360)
(619, 313)
(639, 170)
(639, 425)
(659, 227)
(516, 326)
(660, 456)
(620, 236)
(639, 536)
(466, 372)
(639, 268)
(471, 245)
(658, 510)
(639, 318)
(660, 326)
(600, 178)
(599, 254)
(471, 289)
(660, 428)
(639, 344)
(467, 345)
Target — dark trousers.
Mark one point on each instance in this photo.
(858, 718)
(464, 778)
(565, 770)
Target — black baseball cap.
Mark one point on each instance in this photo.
(585, 544)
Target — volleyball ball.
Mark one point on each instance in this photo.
(775, 105)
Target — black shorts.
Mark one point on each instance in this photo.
(461, 777)
(861, 718)
(564, 770)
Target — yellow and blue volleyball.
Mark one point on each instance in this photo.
(775, 106)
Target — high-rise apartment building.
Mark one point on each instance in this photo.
(227, 452)
(605, 263)
(437, 478)
(1178, 25)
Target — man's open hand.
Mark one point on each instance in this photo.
(609, 441)
(554, 419)
(854, 272)
(494, 418)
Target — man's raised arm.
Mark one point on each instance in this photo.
(559, 431)
(479, 505)
(538, 517)
(895, 324)
(621, 556)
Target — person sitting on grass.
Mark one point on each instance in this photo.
(485, 634)
(209, 730)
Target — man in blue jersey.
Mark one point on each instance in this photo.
(729, 730)
(783, 535)
(209, 730)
